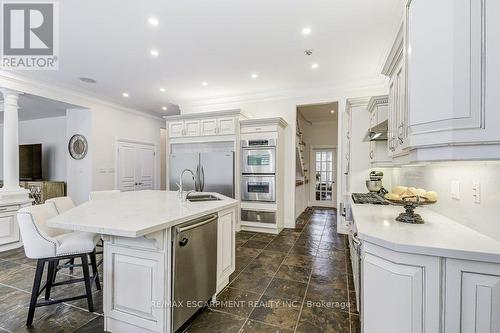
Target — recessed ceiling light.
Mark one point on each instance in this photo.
(125, 94)
(306, 31)
(87, 80)
(315, 66)
(164, 108)
(153, 21)
(254, 75)
(204, 83)
(162, 89)
(332, 111)
(154, 53)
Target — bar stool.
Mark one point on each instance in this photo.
(50, 245)
(63, 204)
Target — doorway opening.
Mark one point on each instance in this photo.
(316, 156)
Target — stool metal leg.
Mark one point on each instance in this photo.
(36, 290)
(86, 277)
(50, 279)
(95, 272)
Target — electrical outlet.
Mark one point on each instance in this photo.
(476, 192)
(455, 190)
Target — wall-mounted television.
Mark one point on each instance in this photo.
(30, 162)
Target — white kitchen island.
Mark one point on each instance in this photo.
(138, 230)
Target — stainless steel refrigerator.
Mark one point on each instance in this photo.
(214, 172)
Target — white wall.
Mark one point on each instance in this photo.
(79, 172)
(483, 217)
(360, 151)
(51, 133)
(109, 125)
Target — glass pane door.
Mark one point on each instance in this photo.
(324, 175)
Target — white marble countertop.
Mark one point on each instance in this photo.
(135, 214)
(438, 236)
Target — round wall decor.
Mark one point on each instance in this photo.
(78, 146)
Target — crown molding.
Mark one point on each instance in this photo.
(357, 102)
(54, 91)
(377, 101)
(276, 121)
(329, 88)
(396, 53)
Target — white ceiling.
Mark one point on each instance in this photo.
(318, 113)
(218, 41)
(35, 107)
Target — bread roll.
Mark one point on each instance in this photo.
(392, 196)
(431, 196)
(398, 190)
(420, 192)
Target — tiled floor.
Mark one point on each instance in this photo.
(297, 281)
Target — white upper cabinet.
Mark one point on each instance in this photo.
(443, 90)
(206, 124)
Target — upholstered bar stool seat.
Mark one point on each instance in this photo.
(62, 204)
(50, 246)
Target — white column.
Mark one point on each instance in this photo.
(11, 189)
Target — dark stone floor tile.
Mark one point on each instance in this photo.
(255, 244)
(94, 326)
(263, 237)
(294, 273)
(324, 245)
(286, 289)
(256, 284)
(247, 252)
(329, 296)
(256, 268)
(335, 278)
(320, 319)
(252, 326)
(17, 256)
(350, 283)
(59, 318)
(236, 302)
(240, 242)
(298, 260)
(278, 312)
(305, 251)
(355, 324)
(242, 261)
(270, 257)
(352, 302)
(216, 322)
(307, 243)
(278, 247)
(244, 235)
(334, 254)
(310, 237)
(11, 298)
(21, 277)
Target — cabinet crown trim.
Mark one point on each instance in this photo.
(395, 54)
(278, 121)
(377, 101)
(201, 115)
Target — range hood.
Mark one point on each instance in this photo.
(377, 132)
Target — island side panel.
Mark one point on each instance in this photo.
(136, 283)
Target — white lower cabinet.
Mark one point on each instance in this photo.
(226, 239)
(472, 297)
(400, 292)
(135, 291)
(10, 237)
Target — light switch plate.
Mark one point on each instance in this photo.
(476, 192)
(455, 190)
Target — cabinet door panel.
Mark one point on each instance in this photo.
(472, 297)
(226, 126)
(136, 288)
(208, 127)
(445, 71)
(225, 247)
(192, 128)
(403, 311)
(175, 129)
(9, 230)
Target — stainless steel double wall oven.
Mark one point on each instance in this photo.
(258, 168)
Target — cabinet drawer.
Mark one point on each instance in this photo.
(7, 209)
(258, 216)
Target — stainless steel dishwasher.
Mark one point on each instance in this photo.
(194, 251)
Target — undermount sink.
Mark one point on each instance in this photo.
(202, 197)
